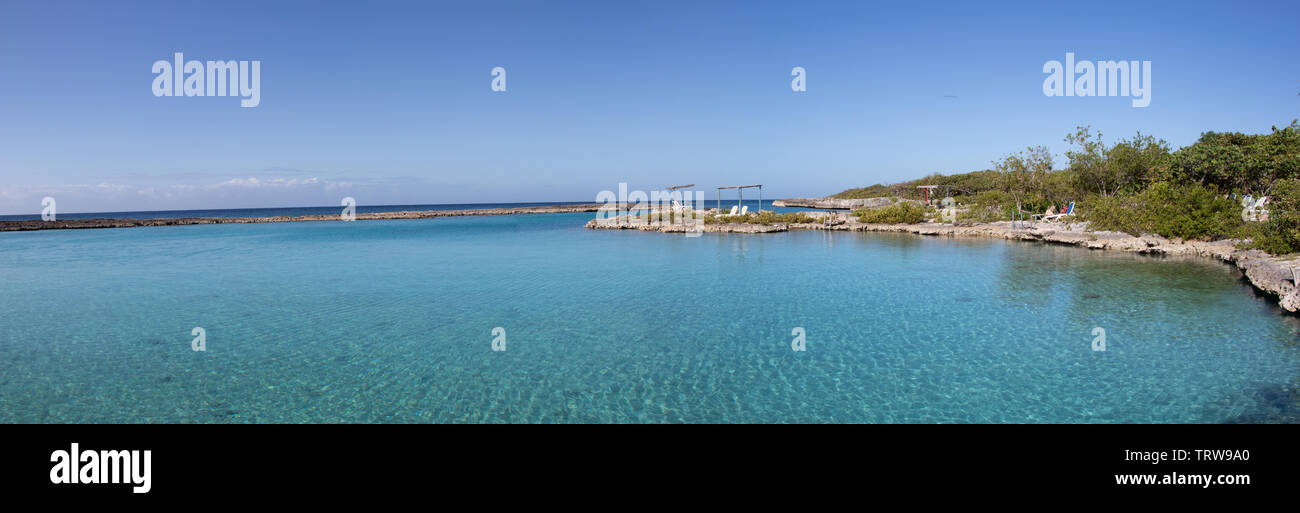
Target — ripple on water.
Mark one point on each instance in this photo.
(392, 322)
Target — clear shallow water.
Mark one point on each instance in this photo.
(391, 321)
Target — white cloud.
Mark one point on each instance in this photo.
(273, 182)
(239, 192)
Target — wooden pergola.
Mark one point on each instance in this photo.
(740, 191)
(673, 190)
(928, 189)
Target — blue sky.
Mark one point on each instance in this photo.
(391, 102)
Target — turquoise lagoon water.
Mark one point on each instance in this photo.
(392, 321)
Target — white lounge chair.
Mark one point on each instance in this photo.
(734, 210)
(744, 210)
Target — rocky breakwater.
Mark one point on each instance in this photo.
(622, 223)
(72, 224)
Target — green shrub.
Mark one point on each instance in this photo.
(991, 199)
(874, 191)
(1113, 213)
(765, 217)
(903, 212)
(957, 184)
(1281, 234)
(1186, 211)
(983, 214)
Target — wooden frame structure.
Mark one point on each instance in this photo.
(928, 190)
(740, 191)
(673, 190)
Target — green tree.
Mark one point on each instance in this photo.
(1127, 167)
(1088, 162)
(1137, 162)
(1024, 172)
(1240, 162)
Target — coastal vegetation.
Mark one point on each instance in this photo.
(1281, 234)
(765, 217)
(1136, 185)
(903, 212)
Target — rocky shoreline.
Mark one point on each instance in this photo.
(1270, 274)
(833, 203)
(75, 224)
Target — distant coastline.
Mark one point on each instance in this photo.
(93, 223)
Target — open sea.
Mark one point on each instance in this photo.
(394, 321)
